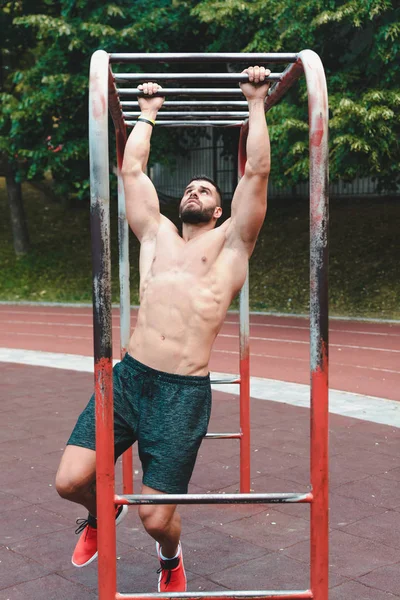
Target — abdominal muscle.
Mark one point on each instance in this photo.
(179, 317)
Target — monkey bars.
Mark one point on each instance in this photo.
(104, 97)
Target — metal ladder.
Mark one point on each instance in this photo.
(104, 97)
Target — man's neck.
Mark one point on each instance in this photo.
(190, 231)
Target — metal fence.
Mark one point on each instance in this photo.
(209, 159)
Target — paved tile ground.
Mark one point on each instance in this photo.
(226, 547)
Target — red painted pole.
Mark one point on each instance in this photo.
(127, 471)
(102, 321)
(244, 352)
(310, 63)
(318, 123)
(106, 536)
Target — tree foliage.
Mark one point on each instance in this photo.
(359, 44)
(48, 44)
(43, 119)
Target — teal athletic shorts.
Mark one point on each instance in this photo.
(167, 414)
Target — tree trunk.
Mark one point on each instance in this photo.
(17, 213)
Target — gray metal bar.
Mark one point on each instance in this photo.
(228, 595)
(223, 436)
(223, 381)
(183, 103)
(192, 77)
(244, 364)
(192, 123)
(195, 113)
(123, 243)
(250, 58)
(212, 498)
(184, 92)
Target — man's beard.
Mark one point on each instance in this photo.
(196, 215)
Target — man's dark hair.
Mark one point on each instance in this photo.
(206, 178)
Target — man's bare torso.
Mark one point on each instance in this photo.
(185, 291)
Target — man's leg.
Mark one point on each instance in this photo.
(162, 522)
(76, 481)
(76, 477)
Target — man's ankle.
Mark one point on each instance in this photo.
(92, 521)
(174, 555)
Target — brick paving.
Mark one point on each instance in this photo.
(225, 547)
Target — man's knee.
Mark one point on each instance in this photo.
(155, 520)
(76, 474)
(69, 486)
(66, 486)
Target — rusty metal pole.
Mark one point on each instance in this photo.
(124, 314)
(123, 247)
(318, 123)
(244, 350)
(102, 320)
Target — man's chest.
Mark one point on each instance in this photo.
(171, 254)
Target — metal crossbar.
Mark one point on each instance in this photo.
(104, 94)
(185, 103)
(222, 436)
(192, 77)
(218, 115)
(184, 92)
(275, 498)
(190, 123)
(239, 595)
(247, 58)
(223, 381)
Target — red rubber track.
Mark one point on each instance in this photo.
(364, 356)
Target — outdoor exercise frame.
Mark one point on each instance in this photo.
(104, 97)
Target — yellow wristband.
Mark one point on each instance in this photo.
(146, 120)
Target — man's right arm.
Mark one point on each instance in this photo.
(142, 205)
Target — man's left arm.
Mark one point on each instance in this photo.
(249, 204)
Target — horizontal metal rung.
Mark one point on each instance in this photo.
(212, 498)
(198, 77)
(191, 115)
(192, 123)
(223, 381)
(250, 58)
(229, 595)
(184, 92)
(223, 436)
(184, 103)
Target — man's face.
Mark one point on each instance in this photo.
(199, 202)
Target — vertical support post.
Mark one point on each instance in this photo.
(244, 351)
(318, 123)
(102, 320)
(123, 247)
(124, 286)
(214, 154)
(125, 298)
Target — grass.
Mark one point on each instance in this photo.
(363, 273)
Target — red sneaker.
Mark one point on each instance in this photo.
(86, 549)
(172, 573)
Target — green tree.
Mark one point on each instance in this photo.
(45, 61)
(359, 43)
(15, 54)
(43, 117)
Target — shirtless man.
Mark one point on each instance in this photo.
(162, 395)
